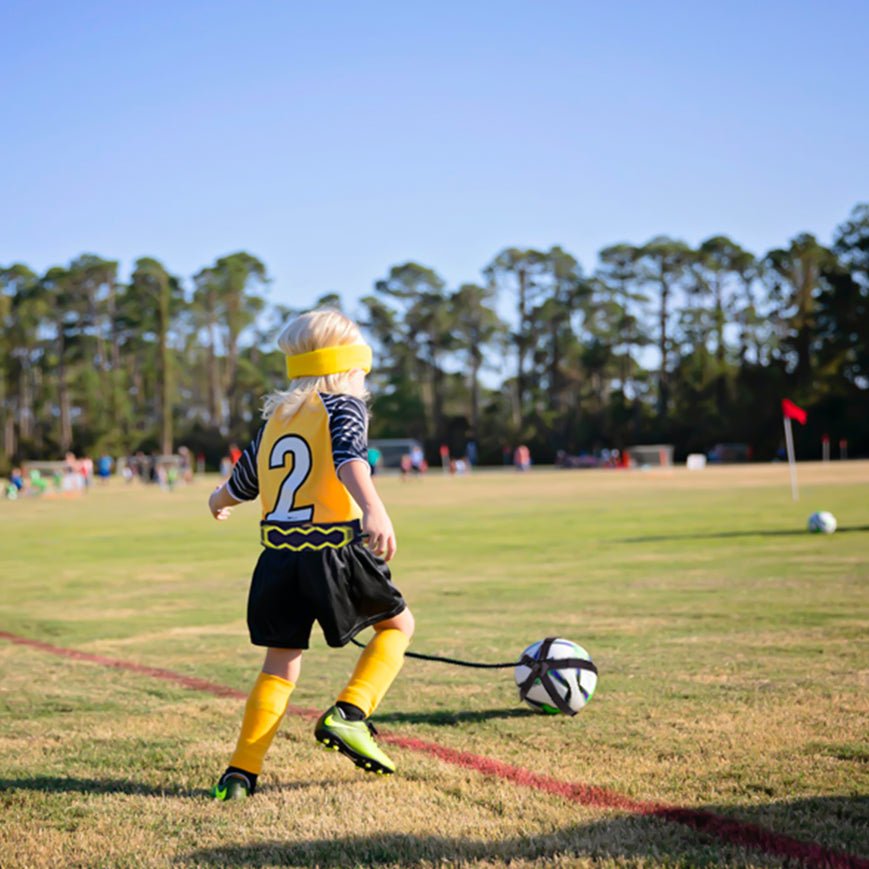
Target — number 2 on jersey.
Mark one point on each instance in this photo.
(284, 509)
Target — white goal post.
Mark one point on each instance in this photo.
(651, 455)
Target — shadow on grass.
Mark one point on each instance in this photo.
(724, 535)
(70, 785)
(447, 718)
(837, 824)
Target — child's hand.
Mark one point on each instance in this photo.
(376, 524)
(381, 536)
(217, 505)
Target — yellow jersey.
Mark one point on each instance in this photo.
(292, 464)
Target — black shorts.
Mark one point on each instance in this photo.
(346, 590)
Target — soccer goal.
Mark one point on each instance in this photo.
(651, 455)
(392, 449)
(52, 477)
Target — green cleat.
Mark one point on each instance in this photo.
(233, 786)
(353, 738)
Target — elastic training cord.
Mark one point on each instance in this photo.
(441, 660)
(539, 669)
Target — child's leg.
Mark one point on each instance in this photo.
(378, 666)
(342, 727)
(265, 707)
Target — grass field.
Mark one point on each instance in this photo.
(733, 649)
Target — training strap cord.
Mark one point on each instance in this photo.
(538, 666)
(441, 660)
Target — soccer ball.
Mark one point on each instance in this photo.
(822, 522)
(553, 688)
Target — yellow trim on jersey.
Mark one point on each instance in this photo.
(329, 360)
(348, 534)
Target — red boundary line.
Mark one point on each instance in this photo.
(730, 830)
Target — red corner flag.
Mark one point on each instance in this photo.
(791, 411)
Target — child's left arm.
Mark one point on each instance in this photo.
(220, 502)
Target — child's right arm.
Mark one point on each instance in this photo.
(356, 476)
(243, 484)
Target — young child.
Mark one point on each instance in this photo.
(309, 466)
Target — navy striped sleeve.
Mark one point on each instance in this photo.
(348, 427)
(243, 485)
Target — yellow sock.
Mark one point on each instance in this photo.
(376, 669)
(263, 711)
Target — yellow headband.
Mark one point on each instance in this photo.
(329, 360)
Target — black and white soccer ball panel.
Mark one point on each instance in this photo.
(574, 686)
(822, 522)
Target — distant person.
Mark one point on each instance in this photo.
(315, 564)
(234, 454)
(417, 460)
(471, 453)
(15, 486)
(374, 459)
(68, 481)
(70, 477)
(86, 468)
(185, 464)
(104, 467)
(16, 478)
(522, 458)
(405, 466)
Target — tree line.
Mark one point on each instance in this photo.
(660, 342)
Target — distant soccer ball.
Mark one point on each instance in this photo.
(822, 522)
(550, 687)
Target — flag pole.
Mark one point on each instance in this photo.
(792, 462)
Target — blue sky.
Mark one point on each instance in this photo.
(333, 140)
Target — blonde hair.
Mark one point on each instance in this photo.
(313, 331)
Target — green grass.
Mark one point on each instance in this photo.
(732, 647)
